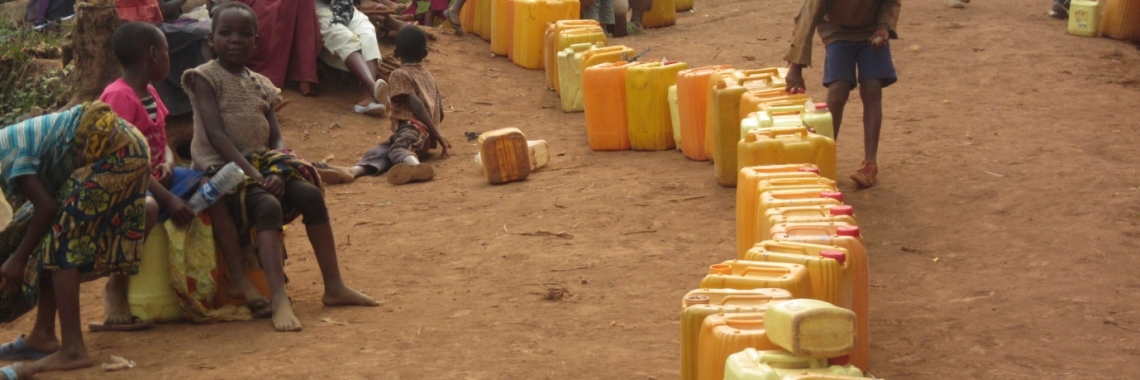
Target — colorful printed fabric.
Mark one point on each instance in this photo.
(275, 162)
(99, 227)
(193, 274)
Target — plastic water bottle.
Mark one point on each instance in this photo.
(225, 180)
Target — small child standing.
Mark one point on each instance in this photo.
(142, 51)
(234, 121)
(417, 111)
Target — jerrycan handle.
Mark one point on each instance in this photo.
(775, 272)
(807, 231)
(743, 321)
(781, 247)
(785, 110)
(782, 131)
(786, 360)
(766, 77)
(771, 71)
(745, 297)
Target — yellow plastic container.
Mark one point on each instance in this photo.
(725, 123)
(753, 101)
(593, 35)
(483, 24)
(467, 15)
(753, 364)
(602, 55)
(674, 116)
(815, 376)
(149, 294)
(746, 197)
(550, 47)
(502, 27)
(647, 104)
(699, 304)
(506, 157)
(530, 20)
(684, 5)
(692, 109)
(811, 328)
(812, 115)
(663, 13)
(603, 88)
(830, 276)
(849, 238)
(570, 77)
(793, 198)
(740, 274)
(806, 214)
(1084, 18)
(1121, 20)
(775, 81)
(787, 145)
(724, 335)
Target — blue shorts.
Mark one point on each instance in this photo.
(844, 56)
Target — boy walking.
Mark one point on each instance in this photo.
(855, 33)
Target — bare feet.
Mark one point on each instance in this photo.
(115, 306)
(283, 318)
(241, 288)
(343, 296)
(64, 360)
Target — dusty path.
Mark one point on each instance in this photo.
(1003, 236)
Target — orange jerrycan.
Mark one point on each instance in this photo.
(849, 238)
(647, 102)
(593, 35)
(467, 16)
(692, 106)
(530, 19)
(684, 5)
(753, 364)
(1120, 20)
(502, 27)
(725, 123)
(787, 145)
(830, 278)
(570, 77)
(505, 155)
(674, 116)
(724, 335)
(550, 48)
(699, 304)
(483, 24)
(746, 197)
(604, 89)
(741, 274)
(663, 13)
(806, 214)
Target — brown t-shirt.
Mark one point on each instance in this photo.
(243, 102)
(413, 79)
(840, 20)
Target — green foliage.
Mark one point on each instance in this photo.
(24, 87)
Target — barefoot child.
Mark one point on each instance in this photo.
(84, 173)
(417, 110)
(234, 121)
(855, 34)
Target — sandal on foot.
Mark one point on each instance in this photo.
(135, 325)
(12, 372)
(260, 308)
(380, 92)
(454, 21)
(403, 173)
(20, 350)
(866, 176)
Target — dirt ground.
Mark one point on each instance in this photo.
(1003, 234)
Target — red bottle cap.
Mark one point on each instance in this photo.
(808, 169)
(842, 210)
(834, 255)
(832, 194)
(842, 360)
(851, 231)
(821, 107)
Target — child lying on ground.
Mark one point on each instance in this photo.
(234, 121)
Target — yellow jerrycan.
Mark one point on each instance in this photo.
(684, 5)
(779, 114)
(603, 89)
(1120, 20)
(570, 77)
(692, 108)
(663, 13)
(746, 197)
(753, 364)
(149, 294)
(807, 214)
(550, 46)
(505, 155)
(725, 334)
(849, 238)
(753, 101)
(502, 27)
(593, 35)
(787, 145)
(775, 82)
(483, 24)
(467, 16)
(725, 123)
(1084, 17)
(740, 274)
(674, 116)
(601, 55)
(830, 277)
(647, 104)
(811, 328)
(701, 303)
(530, 19)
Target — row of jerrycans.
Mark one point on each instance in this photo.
(561, 35)
(627, 105)
(717, 323)
(572, 63)
(518, 27)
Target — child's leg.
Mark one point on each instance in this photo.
(452, 14)
(871, 92)
(266, 213)
(374, 162)
(42, 337)
(307, 199)
(839, 77)
(116, 308)
(229, 246)
(837, 94)
(72, 353)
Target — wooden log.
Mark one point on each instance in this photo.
(95, 63)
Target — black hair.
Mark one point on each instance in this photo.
(411, 44)
(132, 41)
(216, 18)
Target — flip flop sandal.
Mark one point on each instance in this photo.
(135, 325)
(454, 21)
(260, 308)
(20, 350)
(380, 92)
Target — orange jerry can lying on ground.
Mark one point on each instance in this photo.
(740, 274)
(727, 334)
(692, 109)
(701, 303)
(787, 145)
(505, 155)
(607, 126)
(550, 46)
(746, 197)
(647, 104)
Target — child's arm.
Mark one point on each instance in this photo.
(422, 115)
(274, 184)
(45, 209)
(799, 54)
(212, 121)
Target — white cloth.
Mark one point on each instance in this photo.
(343, 40)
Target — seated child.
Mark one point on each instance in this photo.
(83, 172)
(417, 110)
(350, 43)
(141, 50)
(234, 122)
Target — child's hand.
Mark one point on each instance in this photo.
(12, 273)
(795, 80)
(444, 145)
(880, 38)
(275, 185)
(165, 172)
(180, 212)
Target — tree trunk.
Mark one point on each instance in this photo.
(95, 63)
